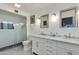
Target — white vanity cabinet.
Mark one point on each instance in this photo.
(47, 46)
(67, 49)
(43, 46)
(64, 51)
(50, 47)
(61, 51)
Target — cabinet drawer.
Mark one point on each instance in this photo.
(51, 42)
(62, 51)
(68, 46)
(51, 50)
(75, 53)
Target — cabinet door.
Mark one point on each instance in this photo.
(34, 45)
(75, 53)
(41, 47)
(68, 46)
(47, 48)
(62, 51)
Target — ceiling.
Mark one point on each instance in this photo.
(30, 7)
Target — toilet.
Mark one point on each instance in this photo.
(27, 45)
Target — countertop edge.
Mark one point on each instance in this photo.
(71, 41)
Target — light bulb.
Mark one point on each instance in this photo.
(54, 18)
(38, 21)
(17, 5)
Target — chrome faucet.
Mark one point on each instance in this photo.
(53, 34)
(67, 36)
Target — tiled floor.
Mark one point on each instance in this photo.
(18, 50)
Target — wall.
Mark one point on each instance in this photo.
(53, 24)
(18, 34)
(23, 13)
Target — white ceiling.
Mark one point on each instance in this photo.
(31, 7)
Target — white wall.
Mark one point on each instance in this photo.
(18, 34)
(23, 13)
(53, 25)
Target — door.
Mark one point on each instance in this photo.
(18, 31)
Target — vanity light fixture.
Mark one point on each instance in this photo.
(38, 21)
(54, 17)
(54, 14)
(17, 5)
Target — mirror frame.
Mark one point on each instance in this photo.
(76, 16)
(41, 21)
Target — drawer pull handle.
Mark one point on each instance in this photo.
(69, 53)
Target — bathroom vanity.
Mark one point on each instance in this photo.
(47, 44)
(50, 45)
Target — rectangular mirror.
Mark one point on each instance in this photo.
(44, 21)
(32, 19)
(68, 17)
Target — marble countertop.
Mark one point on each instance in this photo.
(61, 39)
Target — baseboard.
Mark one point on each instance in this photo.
(7, 47)
(35, 53)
